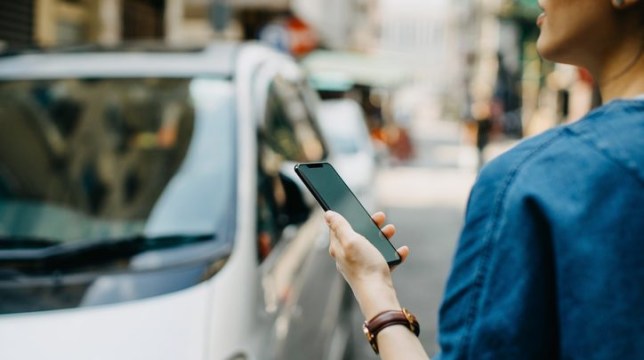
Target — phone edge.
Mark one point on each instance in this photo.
(311, 189)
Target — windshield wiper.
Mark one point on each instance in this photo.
(24, 242)
(16, 250)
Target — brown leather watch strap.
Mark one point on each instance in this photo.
(403, 317)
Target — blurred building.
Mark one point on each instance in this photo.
(16, 22)
(470, 53)
(420, 33)
(27, 23)
(288, 24)
(341, 24)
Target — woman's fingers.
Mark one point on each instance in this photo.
(351, 254)
(338, 223)
(379, 218)
(389, 231)
(404, 252)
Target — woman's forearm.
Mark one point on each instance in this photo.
(396, 341)
(375, 296)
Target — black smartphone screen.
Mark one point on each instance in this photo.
(332, 193)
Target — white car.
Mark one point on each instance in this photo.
(145, 212)
(342, 121)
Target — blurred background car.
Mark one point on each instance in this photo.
(352, 153)
(372, 81)
(144, 212)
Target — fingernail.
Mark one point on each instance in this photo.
(328, 216)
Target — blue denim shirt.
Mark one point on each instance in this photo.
(550, 263)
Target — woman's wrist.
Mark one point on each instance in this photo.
(376, 297)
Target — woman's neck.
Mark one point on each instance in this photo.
(629, 84)
(622, 75)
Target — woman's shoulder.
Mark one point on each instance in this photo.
(610, 138)
(524, 155)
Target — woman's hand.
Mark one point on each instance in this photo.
(362, 265)
(369, 276)
(357, 259)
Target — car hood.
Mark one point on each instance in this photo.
(164, 327)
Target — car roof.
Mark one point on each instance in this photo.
(217, 59)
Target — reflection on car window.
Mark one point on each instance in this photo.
(290, 128)
(290, 134)
(279, 204)
(89, 148)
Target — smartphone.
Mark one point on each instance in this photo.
(332, 193)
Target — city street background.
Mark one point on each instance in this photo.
(407, 98)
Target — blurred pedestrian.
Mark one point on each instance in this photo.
(550, 263)
(506, 95)
(477, 114)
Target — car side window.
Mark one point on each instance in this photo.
(290, 128)
(289, 134)
(268, 231)
(279, 201)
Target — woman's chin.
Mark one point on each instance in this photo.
(544, 49)
(557, 51)
(548, 51)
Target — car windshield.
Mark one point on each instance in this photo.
(91, 159)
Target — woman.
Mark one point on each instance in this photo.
(550, 263)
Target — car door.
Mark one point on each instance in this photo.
(301, 287)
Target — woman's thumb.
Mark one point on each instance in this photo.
(338, 224)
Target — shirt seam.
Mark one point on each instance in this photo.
(490, 238)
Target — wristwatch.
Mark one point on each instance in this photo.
(387, 318)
